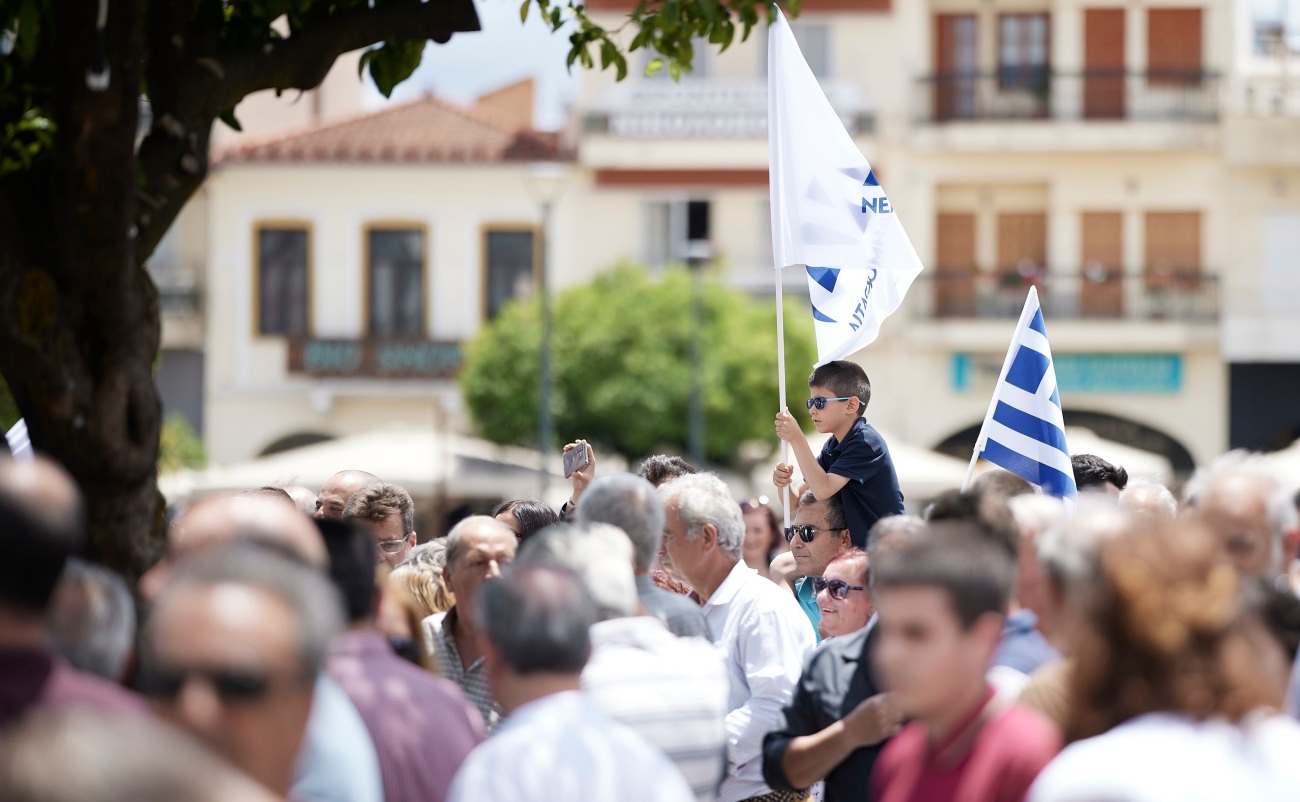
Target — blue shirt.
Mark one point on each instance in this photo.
(1023, 647)
(803, 591)
(337, 761)
(872, 491)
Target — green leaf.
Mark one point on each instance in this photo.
(675, 69)
(608, 52)
(523, 11)
(654, 66)
(228, 117)
(393, 62)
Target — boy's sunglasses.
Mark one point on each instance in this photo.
(806, 532)
(837, 588)
(820, 402)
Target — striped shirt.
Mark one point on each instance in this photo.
(672, 691)
(564, 748)
(472, 680)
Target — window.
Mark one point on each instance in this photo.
(1173, 46)
(509, 258)
(678, 232)
(954, 67)
(1022, 243)
(282, 281)
(395, 281)
(1022, 51)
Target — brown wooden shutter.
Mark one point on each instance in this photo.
(1173, 249)
(1173, 46)
(954, 287)
(1102, 264)
(1103, 60)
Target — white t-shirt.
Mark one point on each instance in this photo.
(1162, 757)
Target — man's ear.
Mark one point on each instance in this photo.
(709, 534)
(413, 538)
(1291, 542)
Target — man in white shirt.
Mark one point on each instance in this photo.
(556, 743)
(672, 691)
(759, 628)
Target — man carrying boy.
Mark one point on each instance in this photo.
(855, 462)
(941, 600)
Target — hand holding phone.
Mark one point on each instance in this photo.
(575, 458)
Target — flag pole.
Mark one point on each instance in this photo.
(993, 402)
(780, 383)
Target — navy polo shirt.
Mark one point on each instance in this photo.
(872, 491)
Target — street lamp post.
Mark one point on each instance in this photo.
(545, 182)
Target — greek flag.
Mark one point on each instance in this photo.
(829, 212)
(1024, 430)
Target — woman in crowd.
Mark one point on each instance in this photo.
(525, 516)
(763, 540)
(1174, 682)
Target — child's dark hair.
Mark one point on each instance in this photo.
(844, 378)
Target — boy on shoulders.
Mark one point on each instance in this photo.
(855, 462)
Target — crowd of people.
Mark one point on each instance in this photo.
(656, 639)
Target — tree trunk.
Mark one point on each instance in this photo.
(79, 322)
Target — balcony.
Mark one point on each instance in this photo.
(1091, 294)
(373, 358)
(704, 108)
(1091, 95)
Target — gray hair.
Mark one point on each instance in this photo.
(308, 592)
(91, 620)
(1037, 513)
(703, 498)
(539, 619)
(456, 537)
(1141, 486)
(598, 554)
(1069, 552)
(631, 504)
(431, 556)
(1280, 509)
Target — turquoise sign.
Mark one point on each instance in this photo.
(1082, 374)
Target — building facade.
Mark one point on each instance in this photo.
(1138, 162)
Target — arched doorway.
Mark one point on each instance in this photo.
(1107, 427)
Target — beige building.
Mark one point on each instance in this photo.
(1136, 161)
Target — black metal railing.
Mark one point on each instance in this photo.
(1040, 94)
(1093, 293)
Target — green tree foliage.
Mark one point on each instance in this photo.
(179, 446)
(622, 365)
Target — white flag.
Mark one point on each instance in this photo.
(829, 213)
(20, 445)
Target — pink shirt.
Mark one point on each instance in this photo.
(994, 757)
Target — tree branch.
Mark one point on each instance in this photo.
(302, 60)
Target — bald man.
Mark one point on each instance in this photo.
(214, 520)
(41, 510)
(337, 762)
(338, 489)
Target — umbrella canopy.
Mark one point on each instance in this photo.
(422, 460)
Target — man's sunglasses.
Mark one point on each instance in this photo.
(232, 685)
(806, 532)
(837, 588)
(820, 402)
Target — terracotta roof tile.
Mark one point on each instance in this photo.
(423, 131)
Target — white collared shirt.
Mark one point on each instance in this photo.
(763, 635)
(564, 747)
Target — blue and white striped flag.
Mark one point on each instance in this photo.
(1024, 430)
